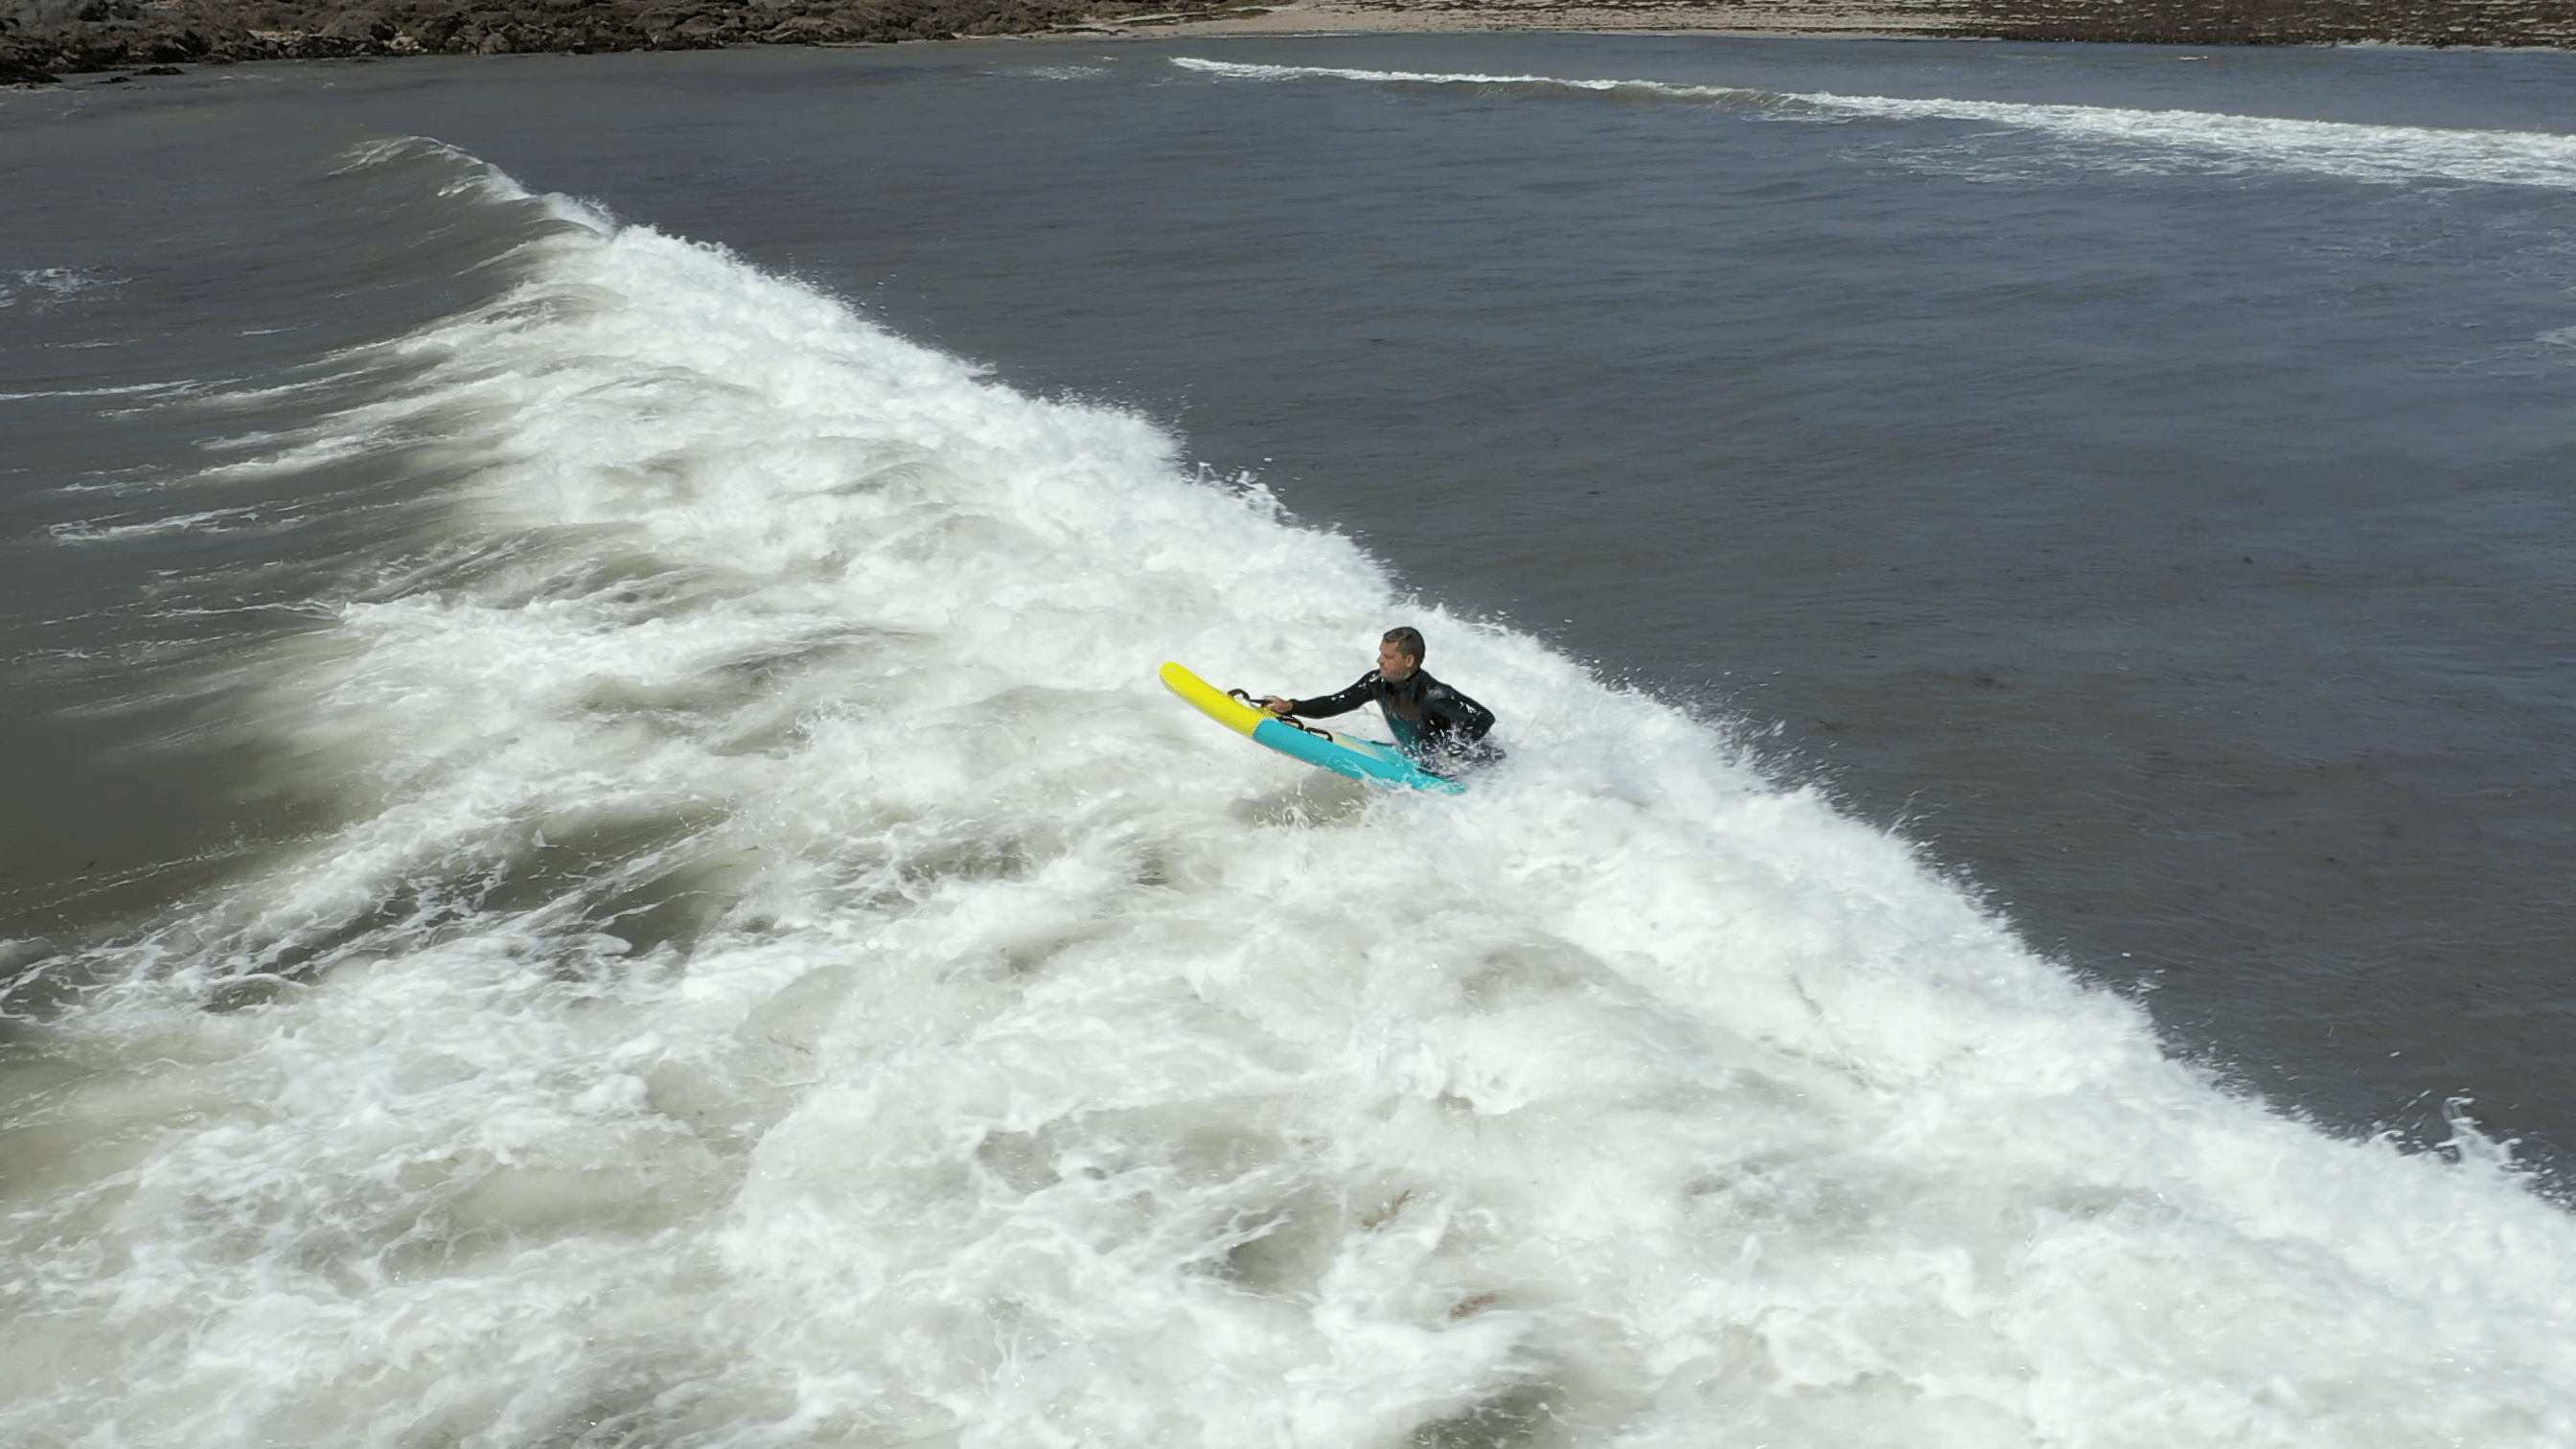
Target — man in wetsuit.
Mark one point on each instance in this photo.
(1443, 730)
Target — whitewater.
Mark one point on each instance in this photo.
(778, 970)
(2150, 140)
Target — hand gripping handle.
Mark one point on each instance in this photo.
(1290, 720)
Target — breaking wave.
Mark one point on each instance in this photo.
(783, 972)
(2331, 148)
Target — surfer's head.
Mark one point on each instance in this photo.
(1399, 653)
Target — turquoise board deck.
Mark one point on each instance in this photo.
(1367, 761)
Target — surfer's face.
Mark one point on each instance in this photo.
(1392, 663)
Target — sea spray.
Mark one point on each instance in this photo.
(783, 972)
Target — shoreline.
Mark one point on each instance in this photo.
(43, 40)
(1885, 19)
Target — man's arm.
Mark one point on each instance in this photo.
(1468, 719)
(1331, 704)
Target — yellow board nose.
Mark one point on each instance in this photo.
(1213, 702)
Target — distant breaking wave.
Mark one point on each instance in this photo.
(2332, 148)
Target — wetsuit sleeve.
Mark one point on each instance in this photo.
(1466, 719)
(1333, 704)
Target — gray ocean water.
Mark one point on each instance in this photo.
(2139, 478)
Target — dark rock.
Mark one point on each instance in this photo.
(806, 30)
(352, 25)
(21, 63)
(432, 32)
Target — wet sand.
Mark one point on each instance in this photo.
(1746, 17)
(2434, 23)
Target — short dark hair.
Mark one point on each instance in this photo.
(1406, 639)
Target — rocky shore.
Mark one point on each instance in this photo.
(42, 40)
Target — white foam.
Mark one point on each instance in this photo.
(43, 287)
(2333, 148)
(788, 974)
(207, 521)
(126, 391)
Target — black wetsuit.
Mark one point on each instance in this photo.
(1440, 728)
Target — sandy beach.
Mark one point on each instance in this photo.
(2435, 23)
(1744, 17)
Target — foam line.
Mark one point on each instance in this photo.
(2333, 148)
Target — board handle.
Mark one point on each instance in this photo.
(1290, 720)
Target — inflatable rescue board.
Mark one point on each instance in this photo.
(1364, 760)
